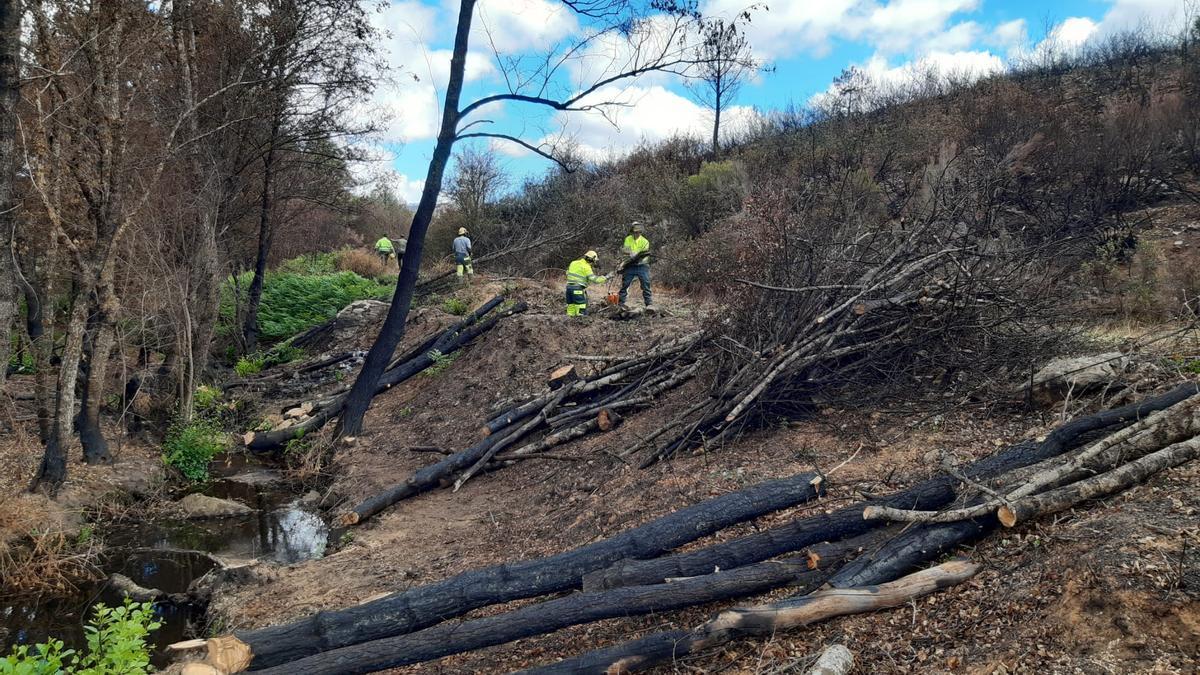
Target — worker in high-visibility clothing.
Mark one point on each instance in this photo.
(462, 255)
(637, 265)
(579, 277)
(384, 249)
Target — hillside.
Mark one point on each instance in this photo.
(969, 309)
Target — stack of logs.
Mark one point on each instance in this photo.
(828, 557)
(317, 413)
(573, 406)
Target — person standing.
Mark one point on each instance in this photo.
(636, 265)
(462, 255)
(579, 277)
(384, 249)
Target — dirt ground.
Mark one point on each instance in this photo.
(1113, 587)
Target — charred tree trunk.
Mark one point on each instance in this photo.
(265, 233)
(392, 332)
(53, 470)
(580, 608)
(425, 606)
(10, 84)
(848, 521)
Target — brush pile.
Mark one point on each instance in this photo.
(833, 307)
(571, 407)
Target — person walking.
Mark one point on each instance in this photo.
(462, 255)
(636, 265)
(384, 249)
(579, 277)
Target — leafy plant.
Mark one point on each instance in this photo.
(292, 302)
(116, 645)
(455, 306)
(440, 362)
(249, 365)
(190, 447)
(205, 396)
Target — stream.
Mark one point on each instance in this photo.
(169, 555)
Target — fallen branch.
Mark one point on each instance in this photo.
(423, 606)
(763, 620)
(1108, 483)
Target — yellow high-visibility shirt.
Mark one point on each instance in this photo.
(580, 272)
(635, 244)
(384, 245)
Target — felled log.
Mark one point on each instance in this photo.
(769, 619)
(848, 521)
(423, 606)
(1120, 478)
(448, 341)
(580, 608)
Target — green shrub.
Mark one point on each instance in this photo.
(249, 365)
(292, 302)
(190, 447)
(116, 644)
(283, 353)
(455, 306)
(205, 397)
(313, 264)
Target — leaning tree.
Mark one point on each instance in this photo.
(619, 41)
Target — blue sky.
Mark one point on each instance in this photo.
(808, 42)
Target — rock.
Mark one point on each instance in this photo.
(203, 506)
(294, 413)
(310, 499)
(274, 419)
(1076, 375)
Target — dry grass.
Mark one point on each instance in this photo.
(362, 263)
(36, 557)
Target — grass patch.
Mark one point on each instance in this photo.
(455, 306)
(440, 362)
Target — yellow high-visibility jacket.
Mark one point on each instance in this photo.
(384, 245)
(580, 273)
(635, 244)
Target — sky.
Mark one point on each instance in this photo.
(807, 43)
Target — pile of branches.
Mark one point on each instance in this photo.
(571, 407)
(860, 562)
(424, 355)
(846, 307)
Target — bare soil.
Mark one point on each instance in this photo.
(1112, 587)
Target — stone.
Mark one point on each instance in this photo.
(203, 506)
(1076, 375)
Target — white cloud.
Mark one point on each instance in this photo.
(958, 37)
(902, 24)
(882, 77)
(516, 26)
(1162, 16)
(644, 114)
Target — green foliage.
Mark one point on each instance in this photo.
(455, 306)
(205, 397)
(190, 447)
(20, 360)
(249, 365)
(283, 353)
(302, 293)
(313, 264)
(440, 362)
(85, 536)
(1185, 365)
(116, 645)
(713, 193)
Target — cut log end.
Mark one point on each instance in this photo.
(348, 519)
(1007, 516)
(226, 654)
(607, 420)
(248, 438)
(563, 376)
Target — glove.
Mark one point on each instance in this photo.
(601, 280)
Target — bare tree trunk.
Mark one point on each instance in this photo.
(10, 71)
(716, 135)
(53, 470)
(359, 398)
(250, 330)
